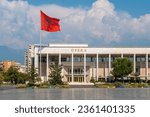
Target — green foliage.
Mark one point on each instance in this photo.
(23, 77)
(32, 76)
(12, 75)
(106, 85)
(118, 84)
(122, 67)
(92, 80)
(38, 79)
(21, 86)
(1, 70)
(1, 79)
(55, 74)
(44, 85)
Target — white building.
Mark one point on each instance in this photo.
(81, 63)
(29, 55)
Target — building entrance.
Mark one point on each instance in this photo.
(76, 79)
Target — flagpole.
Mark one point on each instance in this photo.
(40, 53)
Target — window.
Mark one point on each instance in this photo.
(63, 59)
(78, 59)
(143, 59)
(54, 58)
(88, 59)
(76, 71)
(148, 58)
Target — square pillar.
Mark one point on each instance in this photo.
(84, 67)
(97, 67)
(109, 67)
(147, 66)
(72, 61)
(134, 63)
(59, 59)
(47, 67)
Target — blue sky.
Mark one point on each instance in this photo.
(95, 22)
(135, 7)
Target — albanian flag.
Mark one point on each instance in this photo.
(49, 24)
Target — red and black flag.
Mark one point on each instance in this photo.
(49, 24)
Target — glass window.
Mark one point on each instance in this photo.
(93, 59)
(63, 59)
(149, 59)
(54, 58)
(143, 59)
(138, 59)
(130, 58)
(77, 59)
(68, 59)
(88, 59)
(100, 59)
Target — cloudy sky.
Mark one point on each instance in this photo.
(95, 22)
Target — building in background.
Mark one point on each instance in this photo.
(5, 65)
(29, 57)
(81, 63)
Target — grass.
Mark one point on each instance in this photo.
(124, 85)
(21, 86)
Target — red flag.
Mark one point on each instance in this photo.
(49, 24)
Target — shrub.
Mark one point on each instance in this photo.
(118, 84)
(44, 85)
(30, 84)
(107, 85)
(92, 80)
(21, 86)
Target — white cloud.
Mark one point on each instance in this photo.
(99, 25)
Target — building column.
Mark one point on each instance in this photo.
(36, 60)
(121, 55)
(47, 67)
(40, 65)
(97, 67)
(72, 61)
(134, 63)
(59, 59)
(147, 66)
(85, 68)
(59, 62)
(109, 66)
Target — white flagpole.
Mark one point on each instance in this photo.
(40, 53)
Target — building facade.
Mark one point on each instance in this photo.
(80, 63)
(29, 57)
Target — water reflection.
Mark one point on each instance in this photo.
(76, 94)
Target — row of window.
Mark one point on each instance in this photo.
(93, 59)
(76, 71)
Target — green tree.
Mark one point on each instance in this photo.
(23, 77)
(38, 79)
(1, 75)
(122, 67)
(55, 74)
(1, 69)
(1, 79)
(32, 76)
(12, 75)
